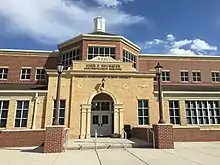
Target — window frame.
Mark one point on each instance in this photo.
(130, 57)
(21, 118)
(196, 76)
(42, 69)
(143, 109)
(184, 78)
(69, 55)
(216, 79)
(165, 76)
(59, 117)
(2, 109)
(3, 73)
(21, 73)
(174, 109)
(93, 54)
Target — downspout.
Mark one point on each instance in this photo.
(35, 111)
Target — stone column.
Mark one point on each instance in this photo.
(88, 123)
(121, 119)
(116, 121)
(83, 123)
(182, 112)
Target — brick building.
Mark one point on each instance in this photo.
(106, 84)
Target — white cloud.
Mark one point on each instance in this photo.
(179, 51)
(181, 43)
(111, 3)
(53, 21)
(180, 47)
(154, 42)
(199, 45)
(170, 37)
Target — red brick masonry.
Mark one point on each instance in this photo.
(195, 134)
(163, 136)
(54, 139)
(21, 138)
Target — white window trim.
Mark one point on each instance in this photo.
(8, 111)
(21, 73)
(197, 71)
(59, 113)
(29, 100)
(215, 71)
(143, 116)
(181, 77)
(39, 68)
(3, 79)
(162, 75)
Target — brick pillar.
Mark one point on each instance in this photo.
(163, 136)
(54, 139)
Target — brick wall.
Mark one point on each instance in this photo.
(21, 138)
(195, 135)
(54, 139)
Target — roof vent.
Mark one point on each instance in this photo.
(99, 24)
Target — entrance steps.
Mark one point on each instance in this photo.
(106, 143)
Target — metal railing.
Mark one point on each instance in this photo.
(96, 135)
(124, 138)
(66, 139)
(149, 130)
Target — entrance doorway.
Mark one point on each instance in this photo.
(102, 115)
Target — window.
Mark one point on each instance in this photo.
(101, 51)
(40, 74)
(61, 111)
(4, 104)
(21, 113)
(196, 76)
(165, 76)
(25, 74)
(3, 73)
(174, 112)
(69, 56)
(202, 112)
(184, 76)
(143, 112)
(129, 57)
(215, 76)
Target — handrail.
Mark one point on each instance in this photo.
(153, 137)
(66, 139)
(124, 136)
(96, 135)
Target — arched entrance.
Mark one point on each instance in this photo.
(102, 115)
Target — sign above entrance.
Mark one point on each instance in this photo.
(102, 67)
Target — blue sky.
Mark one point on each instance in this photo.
(158, 26)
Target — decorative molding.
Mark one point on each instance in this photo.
(143, 86)
(125, 86)
(80, 85)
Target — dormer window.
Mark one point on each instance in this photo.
(101, 51)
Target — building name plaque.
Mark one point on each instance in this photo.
(102, 67)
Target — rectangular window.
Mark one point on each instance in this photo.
(197, 76)
(40, 74)
(69, 56)
(184, 76)
(174, 112)
(61, 111)
(129, 57)
(3, 73)
(143, 118)
(21, 113)
(202, 112)
(165, 76)
(215, 76)
(101, 51)
(25, 74)
(4, 104)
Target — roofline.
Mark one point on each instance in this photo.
(187, 92)
(23, 91)
(174, 55)
(26, 50)
(101, 36)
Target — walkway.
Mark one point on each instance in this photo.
(183, 154)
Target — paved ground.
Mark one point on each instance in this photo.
(183, 154)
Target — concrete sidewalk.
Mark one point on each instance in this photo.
(183, 154)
